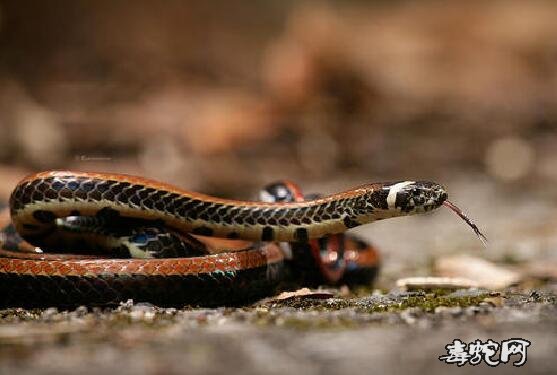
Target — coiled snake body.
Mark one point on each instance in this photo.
(82, 221)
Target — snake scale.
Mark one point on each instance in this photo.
(99, 238)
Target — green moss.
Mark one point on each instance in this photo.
(426, 302)
(322, 323)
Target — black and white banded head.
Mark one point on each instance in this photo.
(410, 197)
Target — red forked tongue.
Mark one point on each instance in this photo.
(459, 212)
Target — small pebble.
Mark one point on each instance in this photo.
(429, 283)
(49, 313)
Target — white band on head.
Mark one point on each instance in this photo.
(393, 191)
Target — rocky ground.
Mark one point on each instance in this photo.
(317, 336)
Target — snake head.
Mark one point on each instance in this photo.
(412, 197)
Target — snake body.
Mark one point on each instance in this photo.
(64, 211)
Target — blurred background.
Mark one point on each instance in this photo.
(224, 98)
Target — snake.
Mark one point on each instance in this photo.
(102, 238)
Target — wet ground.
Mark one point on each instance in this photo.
(381, 328)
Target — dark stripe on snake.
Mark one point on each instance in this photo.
(203, 231)
(301, 235)
(349, 222)
(44, 216)
(267, 234)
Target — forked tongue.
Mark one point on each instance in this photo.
(459, 212)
